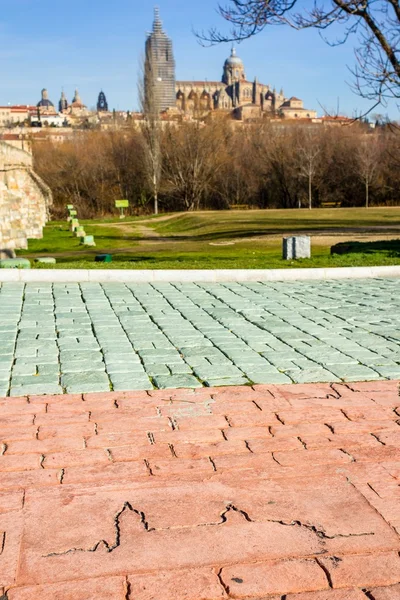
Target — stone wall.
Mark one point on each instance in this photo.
(24, 199)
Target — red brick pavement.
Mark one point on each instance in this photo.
(270, 492)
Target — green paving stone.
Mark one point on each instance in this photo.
(392, 372)
(121, 384)
(311, 376)
(263, 376)
(176, 381)
(35, 390)
(217, 372)
(76, 383)
(354, 373)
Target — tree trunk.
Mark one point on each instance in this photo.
(366, 194)
(310, 192)
(155, 195)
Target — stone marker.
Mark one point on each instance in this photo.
(74, 224)
(70, 207)
(296, 247)
(73, 213)
(106, 258)
(80, 231)
(48, 260)
(87, 240)
(15, 263)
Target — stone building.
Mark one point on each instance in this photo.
(244, 99)
(24, 199)
(45, 106)
(159, 69)
(234, 93)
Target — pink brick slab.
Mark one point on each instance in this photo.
(263, 492)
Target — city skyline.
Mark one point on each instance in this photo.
(102, 50)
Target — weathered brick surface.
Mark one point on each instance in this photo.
(183, 495)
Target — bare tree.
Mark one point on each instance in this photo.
(309, 156)
(368, 154)
(149, 98)
(375, 23)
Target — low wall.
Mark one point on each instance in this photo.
(215, 276)
(24, 199)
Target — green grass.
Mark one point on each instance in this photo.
(196, 241)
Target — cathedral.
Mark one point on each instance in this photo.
(234, 94)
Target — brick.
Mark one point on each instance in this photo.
(66, 431)
(71, 458)
(110, 588)
(192, 436)
(190, 584)
(11, 525)
(387, 593)
(247, 433)
(19, 462)
(34, 478)
(330, 595)
(281, 577)
(105, 473)
(18, 433)
(12, 500)
(364, 570)
(140, 452)
(194, 451)
(35, 446)
(180, 466)
(315, 457)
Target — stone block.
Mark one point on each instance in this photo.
(296, 247)
(88, 240)
(80, 231)
(46, 260)
(74, 224)
(15, 263)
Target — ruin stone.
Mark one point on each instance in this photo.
(24, 200)
(295, 247)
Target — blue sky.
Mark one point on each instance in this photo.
(98, 44)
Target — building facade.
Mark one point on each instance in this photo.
(237, 95)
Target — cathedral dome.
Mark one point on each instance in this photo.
(233, 60)
(45, 102)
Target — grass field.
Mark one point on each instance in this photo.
(226, 240)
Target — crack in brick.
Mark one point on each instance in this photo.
(320, 533)
(259, 407)
(275, 459)
(280, 419)
(368, 594)
(330, 427)
(344, 413)
(224, 435)
(3, 449)
(150, 437)
(127, 589)
(378, 439)
(41, 461)
(302, 443)
(224, 586)
(172, 450)
(327, 574)
(374, 490)
(148, 467)
(248, 447)
(348, 454)
(116, 404)
(103, 543)
(2, 542)
(212, 464)
(173, 423)
(109, 454)
(227, 419)
(61, 476)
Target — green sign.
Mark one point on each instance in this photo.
(122, 204)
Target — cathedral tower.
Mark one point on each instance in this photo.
(159, 69)
(102, 104)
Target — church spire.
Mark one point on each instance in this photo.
(157, 23)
